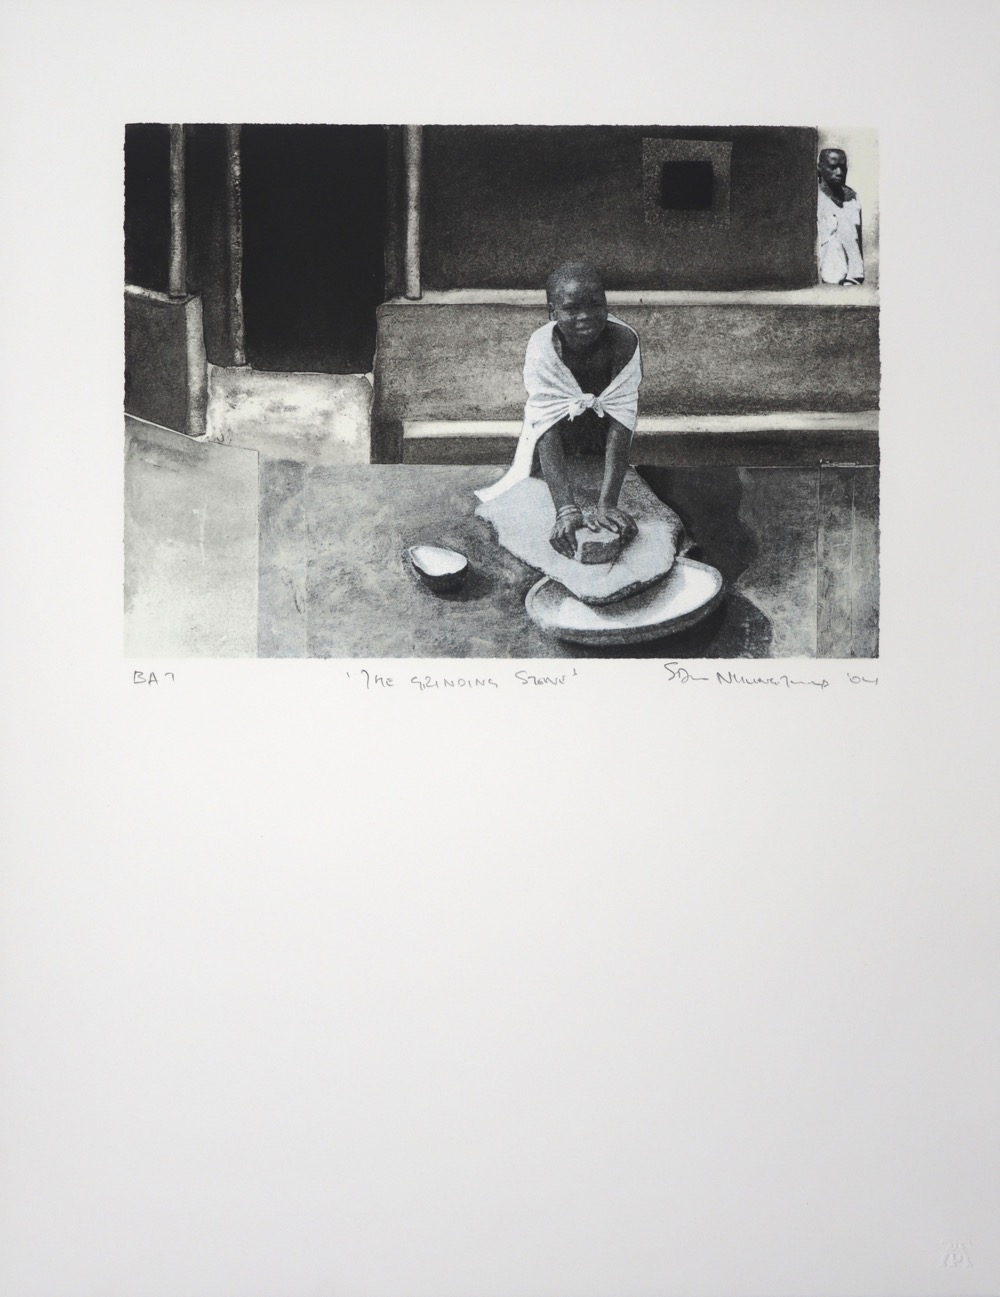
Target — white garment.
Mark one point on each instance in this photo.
(839, 230)
(554, 394)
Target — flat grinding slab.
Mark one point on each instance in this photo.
(524, 516)
(688, 592)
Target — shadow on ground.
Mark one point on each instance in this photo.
(708, 501)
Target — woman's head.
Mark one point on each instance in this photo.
(577, 303)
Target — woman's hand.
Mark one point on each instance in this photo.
(612, 519)
(562, 538)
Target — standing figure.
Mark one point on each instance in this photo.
(838, 223)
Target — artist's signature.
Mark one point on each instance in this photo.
(782, 681)
(682, 675)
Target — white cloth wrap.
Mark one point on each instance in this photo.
(839, 228)
(554, 394)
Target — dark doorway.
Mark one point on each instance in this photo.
(314, 200)
(147, 205)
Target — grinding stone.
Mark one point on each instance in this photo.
(600, 546)
(524, 516)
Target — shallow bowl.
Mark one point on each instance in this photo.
(437, 567)
(689, 592)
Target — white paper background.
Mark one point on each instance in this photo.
(619, 987)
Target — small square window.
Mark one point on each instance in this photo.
(686, 182)
(686, 186)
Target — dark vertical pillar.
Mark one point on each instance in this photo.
(177, 276)
(215, 236)
(234, 211)
(413, 153)
(395, 214)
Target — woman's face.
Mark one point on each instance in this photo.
(580, 309)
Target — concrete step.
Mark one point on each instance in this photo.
(730, 354)
(307, 418)
(776, 439)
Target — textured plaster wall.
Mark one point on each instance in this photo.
(503, 205)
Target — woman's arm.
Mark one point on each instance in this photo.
(552, 457)
(615, 464)
(607, 514)
(569, 517)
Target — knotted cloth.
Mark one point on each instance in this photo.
(554, 395)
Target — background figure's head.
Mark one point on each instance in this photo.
(832, 169)
(577, 304)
